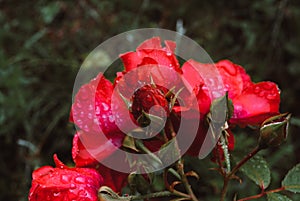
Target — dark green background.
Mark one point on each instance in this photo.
(43, 44)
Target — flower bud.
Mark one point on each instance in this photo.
(274, 131)
(147, 97)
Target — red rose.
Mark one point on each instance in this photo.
(256, 103)
(252, 102)
(92, 113)
(63, 183)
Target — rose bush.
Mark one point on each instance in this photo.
(161, 63)
(152, 84)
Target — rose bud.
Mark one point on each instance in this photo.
(148, 98)
(274, 131)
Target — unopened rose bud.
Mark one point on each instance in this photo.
(148, 97)
(274, 131)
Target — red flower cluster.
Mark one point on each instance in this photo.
(152, 77)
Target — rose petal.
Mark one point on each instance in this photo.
(93, 114)
(89, 149)
(234, 77)
(151, 52)
(152, 43)
(256, 103)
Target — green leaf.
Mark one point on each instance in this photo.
(106, 193)
(129, 143)
(277, 197)
(219, 110)
(169, 152)
(139, 183)
(291, 182)
(258, 171)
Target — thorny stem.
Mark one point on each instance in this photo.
(180, 167)
(226, 153)
(172, 190)
(262, 194)
(228, 176)
(185, 181)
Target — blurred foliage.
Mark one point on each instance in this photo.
(44, 42)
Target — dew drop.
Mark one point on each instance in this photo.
(210, 82)
(111, 118)
(79, 122)
(79, 105)
(149, 98)
(257, 89)
(90, 107)
(96, 121)
(86, 128)
(271, 96)
(72, 186)
(74, 112)
(80, 180)
(81, 114)
(105, 107)
(90, 115)
(65, 179)
(56, 194)
(98, 111)
(169, 54)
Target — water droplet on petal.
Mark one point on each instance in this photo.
(90, 107)
(78, 104)
(65, 179)
(169, 54)
(257, 89)
(79, 122)
(80, 180)
(111, 118)
(86, 128)
(149, 98)
(98, 110)
(81, 114)
(90, 115)
(105, 107)
(271, 96)
(56, 194)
